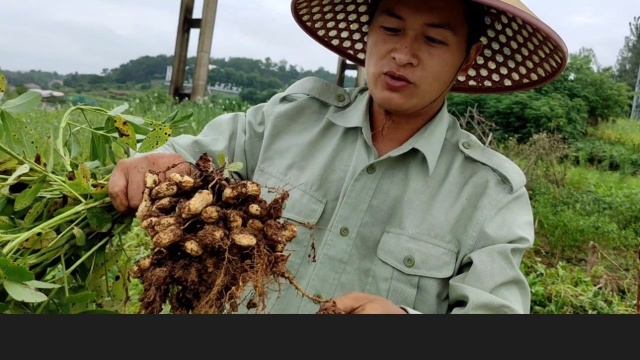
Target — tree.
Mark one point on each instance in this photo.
(629, 56)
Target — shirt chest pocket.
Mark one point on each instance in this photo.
(408, 262)
(301, 207)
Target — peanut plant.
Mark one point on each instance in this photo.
(61, 248)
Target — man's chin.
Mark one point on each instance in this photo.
(391, 104)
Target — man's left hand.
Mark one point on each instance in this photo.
(360, 303)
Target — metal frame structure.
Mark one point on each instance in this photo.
(186, 23)
(206, 25)
(635, 110)
(344, 66)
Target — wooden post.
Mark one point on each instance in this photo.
(343, 66)
(182, 45)
(203, 58)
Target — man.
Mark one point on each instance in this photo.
(411, 214)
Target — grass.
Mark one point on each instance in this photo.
(585, 259)
(624, 131)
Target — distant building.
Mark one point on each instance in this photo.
(224, 89)
(217, 88)
(48, 93)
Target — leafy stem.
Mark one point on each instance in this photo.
(52, 223)
(89, 128)
(63, 124)
(41, 170)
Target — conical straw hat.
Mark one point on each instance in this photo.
(520, 51)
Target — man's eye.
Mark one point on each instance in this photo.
(390, 30)
(432, 40)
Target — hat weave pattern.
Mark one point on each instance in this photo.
(517, 54)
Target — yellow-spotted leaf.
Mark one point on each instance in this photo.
(79, 180)
(125, 131)
(84, 172)
(6, 223)
(100, 192)
(8, 164)
(156, 138)
(11, 272)
(36, 210)
(40, 240)
(27, 197)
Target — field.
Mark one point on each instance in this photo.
(585, 200)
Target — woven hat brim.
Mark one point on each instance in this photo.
(520, 51)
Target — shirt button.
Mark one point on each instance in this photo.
(466, 145)
(340, 97)
(344, 231)
(371, 169)
(409, 261)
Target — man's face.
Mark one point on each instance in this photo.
(415, 49)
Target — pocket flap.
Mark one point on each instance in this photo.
(302, 206)
(414, 256)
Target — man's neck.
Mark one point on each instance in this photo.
(391, 130)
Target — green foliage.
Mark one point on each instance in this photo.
(157, 103)
(141, 70)
(607, 155)
(605, 97)
(592, 207)
(253, 96)
(59, 229)
(628, 60)
(258, 79)
(568, 289)
(623, 131)
(21, 90)
(583, 95)
(521, 115)
(574, 206)
(612, 146)
(542, 159)
(40, 78)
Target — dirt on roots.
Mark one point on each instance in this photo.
(213, 236)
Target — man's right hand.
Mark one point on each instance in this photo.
(126, 184)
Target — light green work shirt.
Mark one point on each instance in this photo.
(438, 225)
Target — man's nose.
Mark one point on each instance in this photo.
(404, 53)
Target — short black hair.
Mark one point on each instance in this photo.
(475, 15)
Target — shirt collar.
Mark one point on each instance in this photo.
(428, 140)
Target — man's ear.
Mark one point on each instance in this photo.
(471, 58)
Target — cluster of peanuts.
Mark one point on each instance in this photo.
(210, 212)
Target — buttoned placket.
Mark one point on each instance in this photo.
(337, 244)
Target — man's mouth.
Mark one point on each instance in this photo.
(397, 76)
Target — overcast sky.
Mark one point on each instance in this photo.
(89, 35)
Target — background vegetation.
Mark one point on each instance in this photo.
(573, 138)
